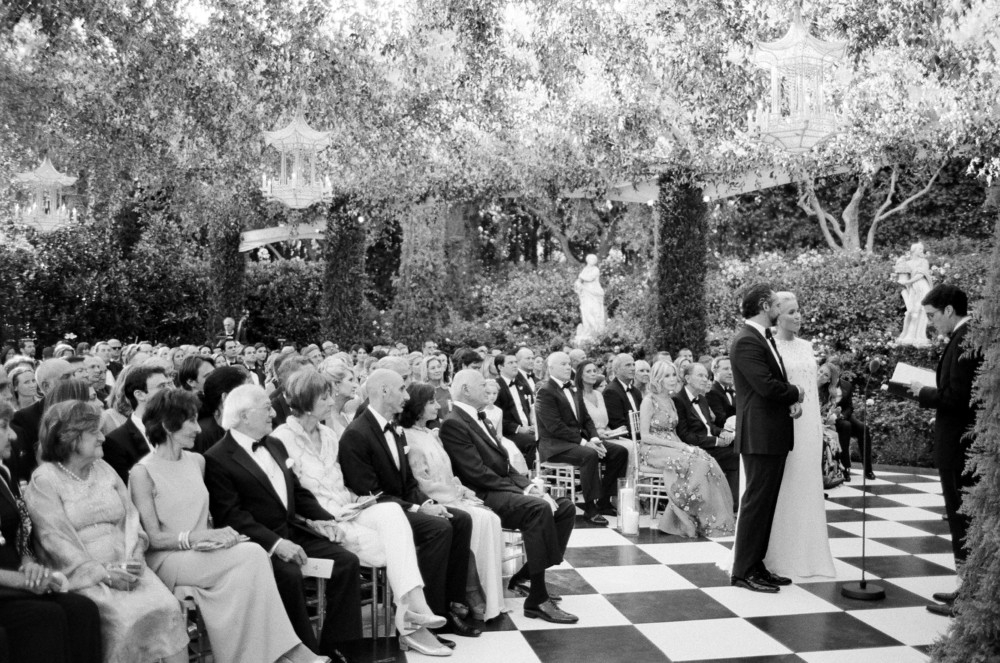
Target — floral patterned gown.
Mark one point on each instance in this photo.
(700, 503)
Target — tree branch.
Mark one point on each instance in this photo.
(809, 203)
(881, 214)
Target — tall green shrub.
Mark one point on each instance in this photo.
(344, 305)
(420, 308)
(678, 291)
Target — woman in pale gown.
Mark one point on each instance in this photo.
(799, 546)
(246, 621)
(495, 415)
(432, 468)
(379, 534)
(699, 502)
(87, 528)
(588, 382)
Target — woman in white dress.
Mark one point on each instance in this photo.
(379, 534)
(799, 546)
(495, 416)
(432, 468)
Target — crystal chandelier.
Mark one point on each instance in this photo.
(798, 117)
(47, 211)
(298, 186)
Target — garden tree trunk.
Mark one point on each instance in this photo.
(677, 316)
(420, 306)
(459, 258)
(228, 266)
(973, 633)
(344, 279)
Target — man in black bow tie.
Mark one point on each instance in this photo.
(515, 401)
(566, 434)
(621, 396)
(252, 489)
(722, 396)
(373, 458)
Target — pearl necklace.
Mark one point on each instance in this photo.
(66, 470)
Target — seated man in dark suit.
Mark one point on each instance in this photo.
(515, 402)
(25, 422)
(848, 426)
(252, 489)
(722, 397)
(373, 459)
(566, 434)
(125, 445)
(481, 463)
(621, 396)
(696, 427)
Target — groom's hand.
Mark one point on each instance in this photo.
(795, 411)
(802, 395)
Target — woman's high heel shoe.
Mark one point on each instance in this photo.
(425, 620)
(407, 642)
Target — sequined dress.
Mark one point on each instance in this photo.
(700, 503)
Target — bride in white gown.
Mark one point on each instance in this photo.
(799, 546)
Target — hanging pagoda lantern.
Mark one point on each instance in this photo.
(298, 186)
(47, 211)
(798, 117)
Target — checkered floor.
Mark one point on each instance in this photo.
(657, 597)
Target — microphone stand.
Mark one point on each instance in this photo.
(864, 590)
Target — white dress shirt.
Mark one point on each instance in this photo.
(770, 346)
(474, 413)
(142, 430)
(390, 439)
(516, 394)
(697, 409)
(266, 462)
(628, 394)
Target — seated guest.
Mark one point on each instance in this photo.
(313, 354)
(245, 620)
(118, 409)
(379, 535)
(23, 386)
(566, 434)
(621, 396)
(432, 468)
(828, 389)
(432, 372)
(127, 443)
(87, 528)
(27, 420)
(97, 371)
(344, 394)
(699, 500)
(193, 372)
(722, 397)
(467, 358)
(483, 466)
(43, 624)
(253, 490)
(696, 426)
(373, 458)
(641, 381)
(284, 366)
(6, 395)
(515, 399)
(848, 425)
(495, 415)
(218, 384)
(588, 379)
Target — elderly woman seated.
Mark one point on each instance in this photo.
(87, 528)
(379, 534)
(245, 620)
(43, 625)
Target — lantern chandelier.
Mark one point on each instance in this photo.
(47, 211)
(298, 185)
(798, 117)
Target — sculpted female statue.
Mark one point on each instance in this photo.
(913, 272)
(588, 289)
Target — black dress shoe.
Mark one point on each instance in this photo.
(847, 474)
(550, 612)
(753, 584)
(595, 518)
(943, 610)
(458, 626)
(870, 475)
(450, 644)
(523, 587)
(772, 579)
(946, 597)
(608, 511)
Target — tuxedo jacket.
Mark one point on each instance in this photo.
(368, 467)
(242, 497)
(718, 402)
(123, 447)
(527, 389)
(559, 429)
(479, 462)
(25, 423)
(763, 396)
(952, 401)
(616, 400)
(691, 429)
(505, 401)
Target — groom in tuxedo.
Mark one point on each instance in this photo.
(766, 403)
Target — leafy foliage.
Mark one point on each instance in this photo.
(344, 281)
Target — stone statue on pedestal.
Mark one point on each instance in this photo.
(913, 273)
(588, 289)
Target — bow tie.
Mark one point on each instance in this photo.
(481, 415)
(258, 444)
(696, 399)
(730, 391)
(389, 428)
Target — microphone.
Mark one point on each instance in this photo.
(874, 366)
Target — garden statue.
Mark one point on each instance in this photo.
(913, 273)
(588, 289)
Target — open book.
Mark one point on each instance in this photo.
(905, 374)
